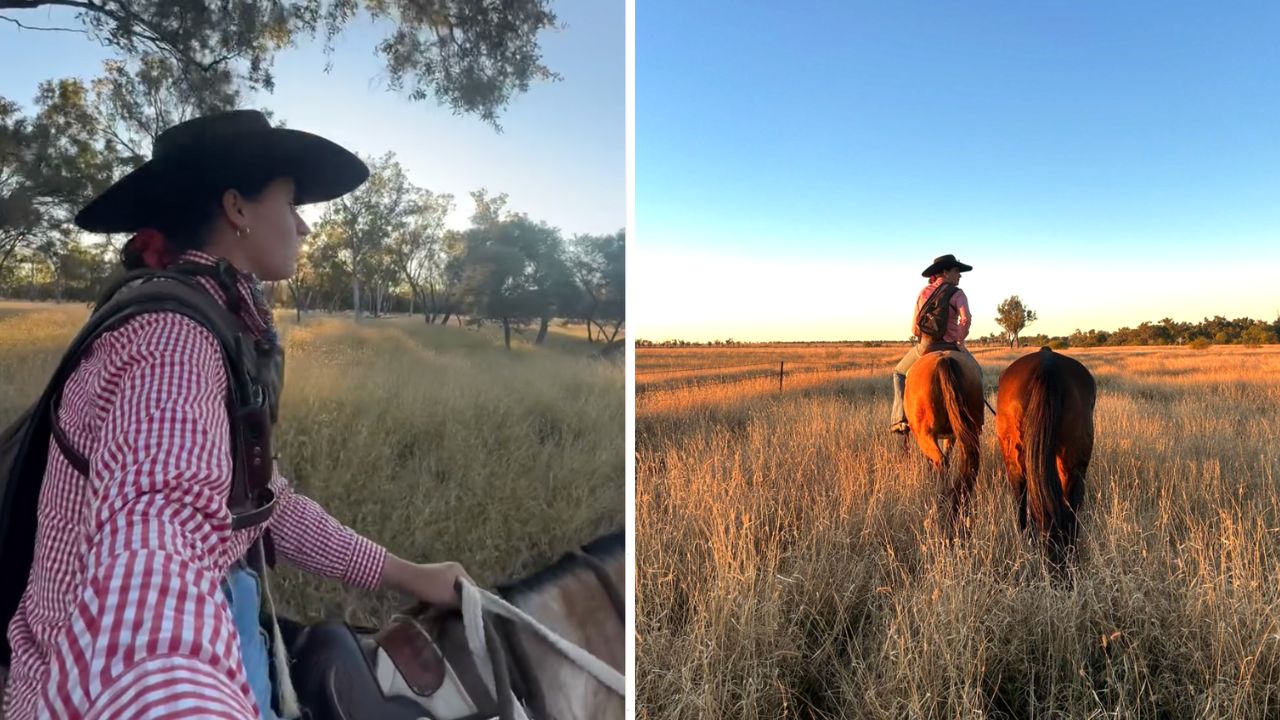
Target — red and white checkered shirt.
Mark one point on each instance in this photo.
(959, 319)
(124, 615)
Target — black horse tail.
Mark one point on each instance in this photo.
(964, 454)
(1041, 424)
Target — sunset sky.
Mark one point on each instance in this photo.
(1109, 163)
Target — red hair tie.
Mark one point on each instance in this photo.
(151, 246)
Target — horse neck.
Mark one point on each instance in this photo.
(574, 605)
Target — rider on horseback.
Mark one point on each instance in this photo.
(140, 547)
(941, 322)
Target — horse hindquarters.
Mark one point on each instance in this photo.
(964, 428)
(1045, 430)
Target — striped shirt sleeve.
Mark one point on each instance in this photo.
(150, 634)
(312, 540)
(964, 319)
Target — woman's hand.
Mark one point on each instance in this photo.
(431, 583)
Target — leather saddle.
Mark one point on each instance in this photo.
(930, 345)
(414, 668)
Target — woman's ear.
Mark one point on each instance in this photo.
(233, 209)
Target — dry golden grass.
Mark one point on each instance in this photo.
(434, 441)
(791, 564)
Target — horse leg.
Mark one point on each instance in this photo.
(1019, 483)
(964, 475)
(929, 446)
(1073, 494)
(1009, 451)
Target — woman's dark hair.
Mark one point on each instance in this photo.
(184, 219)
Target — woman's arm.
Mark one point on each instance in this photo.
(150, 635)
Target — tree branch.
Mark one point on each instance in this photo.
(43, 29)
(121, 15)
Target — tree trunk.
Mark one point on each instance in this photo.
(355, 295)
(506, 332)
(447, 314)
(8, 252)
(297, 298)
(542, 331)
(589, 338)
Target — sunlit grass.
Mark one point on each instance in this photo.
(434, 441)
(791, 562)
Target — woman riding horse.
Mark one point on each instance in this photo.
(145, 592)
(938, 384)
(944, 308)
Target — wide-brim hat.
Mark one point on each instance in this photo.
(213, 153)
(944, 263)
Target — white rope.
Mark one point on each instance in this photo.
(476, 599)
(287, 697)
(473, 626)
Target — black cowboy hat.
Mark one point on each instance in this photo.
(212, 153)
(944, 263)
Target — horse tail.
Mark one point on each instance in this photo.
(965, 451)
(1041, 423)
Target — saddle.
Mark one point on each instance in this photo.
(414, 668)
(931, 345)
(420, 666)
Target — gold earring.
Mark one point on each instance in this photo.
(242, 232)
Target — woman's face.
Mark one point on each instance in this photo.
(272, 232)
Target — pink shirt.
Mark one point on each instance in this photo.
(958, 319)
(123, 615)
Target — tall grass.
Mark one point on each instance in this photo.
(792, 561)
(433, 441)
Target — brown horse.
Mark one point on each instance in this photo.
(421, 666)
(943, 401)
(1045, 429)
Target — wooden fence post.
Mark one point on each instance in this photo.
(782, 371)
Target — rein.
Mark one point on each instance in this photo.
(486, 640)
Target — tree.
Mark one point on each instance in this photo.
(453, 275)
(599, 266)
(471, 55)
(1259, 333)
(1014, 316)
(50, 166)
(300, 282)
(366, 218)
(418, 251)
(514, 269)
(135, 101)
(494, 282)
(328, 277)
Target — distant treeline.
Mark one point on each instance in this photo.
(1217, 330)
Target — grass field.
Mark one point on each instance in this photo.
(791, 561)
(434, 441)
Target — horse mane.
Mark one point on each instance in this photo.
(604, 548)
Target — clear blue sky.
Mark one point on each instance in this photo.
(561, 157)
(798, 165)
